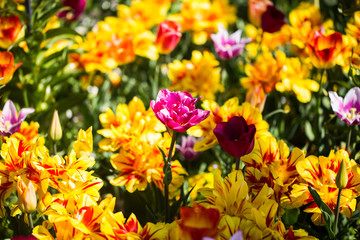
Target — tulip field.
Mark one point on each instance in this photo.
(179, 119)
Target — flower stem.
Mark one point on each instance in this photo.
(156, 81)
(26, 98)
(31, 225)
(238, 161)
(166, 177)
(348, 140)
(337, 211)
(55, 152)
(28, 11)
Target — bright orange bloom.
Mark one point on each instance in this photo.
(7, 67)
(304, 20)
(262, 76)
(324, 50)
(320, 173)
(219, 114)
(198, 222)
(10, 30)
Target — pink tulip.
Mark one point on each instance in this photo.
(168, 36)
(176, 110)
(10, 122)
(348, 109)
(228, 46)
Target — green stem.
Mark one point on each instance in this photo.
(320, 90)
(25, 95)
(337, 211)
(348, 140)
(166, 190)
(238, 161)
(55, 152)
(31, 225)
(29, 13)
(155, 86)
(273, 113)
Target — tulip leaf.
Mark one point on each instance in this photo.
(309, 131)
(61, 31)
(167, 168)
(291, 216)
(328, 215)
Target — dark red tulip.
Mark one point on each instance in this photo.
(77, 8)
(272, 20)
(236, 137)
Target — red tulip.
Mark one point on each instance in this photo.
(272, 20)
(168, 36)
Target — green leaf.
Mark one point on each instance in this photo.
(61, 31)
(326, 212)
(291, 216)
(309, 131)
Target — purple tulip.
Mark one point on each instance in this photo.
(347, 109)
(228, 46)
(10, 122)
(272, 20)
(176, 110)
(236, 137)
(187, 148)
(237, 236)
(77, 8)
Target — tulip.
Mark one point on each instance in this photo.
(187, 148)
(77, 8)
(10, 31)
(198, 222)
(228, 46)
(10, 122)
(26, 196)
(55, 128)
(347, 109)
(342, 176)
(168, 36)
(272, 20)
(256, 9)
(324, 50)
(7, 67)
(176, 110)
(236, 137)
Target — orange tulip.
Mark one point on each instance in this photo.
(10, 30)
(7, 67)
(324, 50)
(256, 9)
(198, 222)
(168, 36)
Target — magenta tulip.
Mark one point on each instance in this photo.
(226, 46)
(31, 237)
(236, 137)
(348, 109)
(176, 110)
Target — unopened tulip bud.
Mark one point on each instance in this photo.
(55, 128)
(168, 36)
(342, 177)
(27, 196)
